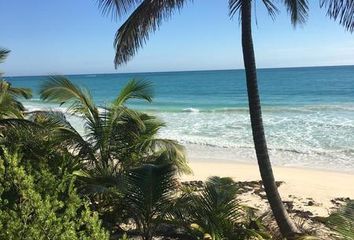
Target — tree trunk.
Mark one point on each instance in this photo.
(286, 226)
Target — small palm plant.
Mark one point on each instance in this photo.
(215, 213)
(10, 106)
(151, 191)
(116, 138)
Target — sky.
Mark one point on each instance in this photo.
(73, 37)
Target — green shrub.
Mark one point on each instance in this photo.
(42, 208)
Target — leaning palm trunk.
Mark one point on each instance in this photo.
(287, 227)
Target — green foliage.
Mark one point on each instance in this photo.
(149, 196)
(342, 221)
(215, 213)
(46, 207)
(117, 138)
(127, 173)
(36, 139)
(10, 106)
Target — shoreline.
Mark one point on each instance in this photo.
(313, 190)
(206, 153)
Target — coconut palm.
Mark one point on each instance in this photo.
(149, 14)
(10, 106)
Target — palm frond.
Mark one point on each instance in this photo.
(146, 18)
(134, 90)
(215, 211)
(298, 10)
(64, 133)
(60, 90)
(342, 221)
(271, 8)
(99, 180)
(150, 191)
(116, 8)
(341, 10)
(9, 104)
(3, 54)
(21, 92)
(9, 107)
(17, 123)
(234, 7)
(165, 151)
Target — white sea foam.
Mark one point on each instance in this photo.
(193, 110)
(315, 138)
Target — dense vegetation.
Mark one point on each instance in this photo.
(54, 177)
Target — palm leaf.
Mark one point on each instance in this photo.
(298, 10)
(271, 8)
(60, 90)
(21, 92)
(99, 180)
(63, 132)
(117, 8)
(134, 90)
(215, 211)
(342, 221)
(341, 10)
(150, 192)
(146, 18)
(10, 106)
(3, 54)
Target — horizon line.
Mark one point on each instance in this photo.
(176, 71)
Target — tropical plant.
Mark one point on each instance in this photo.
(150, 193)
(42, 206)
(215, 212)
(116, 138)
(10, 106)
(342, 221)
(147, 17)
(36, 138)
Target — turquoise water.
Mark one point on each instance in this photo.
(308, 112)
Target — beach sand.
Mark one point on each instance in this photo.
(308, 189)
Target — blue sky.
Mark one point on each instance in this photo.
(65, 37)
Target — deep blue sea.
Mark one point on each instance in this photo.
(308, 112)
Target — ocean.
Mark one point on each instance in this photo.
(308, 112)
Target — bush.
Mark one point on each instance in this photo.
(31, 210)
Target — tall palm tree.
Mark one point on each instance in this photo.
(149, 14)
(9, 104)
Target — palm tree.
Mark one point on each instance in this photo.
(116, 138)
(9, 104)
(149, 14)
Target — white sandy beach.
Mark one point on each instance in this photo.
(300, 185)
